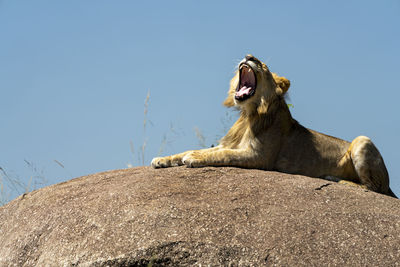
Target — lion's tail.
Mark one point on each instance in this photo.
(390, 193)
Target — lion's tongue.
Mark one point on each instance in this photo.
(244, 90)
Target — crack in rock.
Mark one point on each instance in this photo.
(322, 186)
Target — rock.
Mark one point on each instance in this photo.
(206, 216)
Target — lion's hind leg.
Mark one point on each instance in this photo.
(350, 183)
(369, 165)
(340, 180)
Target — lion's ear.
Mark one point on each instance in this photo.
(282, 83)
(229, 102)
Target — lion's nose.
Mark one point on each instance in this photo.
(249, 57)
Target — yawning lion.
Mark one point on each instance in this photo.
(267, 137)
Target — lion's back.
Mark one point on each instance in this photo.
(310, 153)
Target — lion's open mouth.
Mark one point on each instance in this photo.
(247, 82)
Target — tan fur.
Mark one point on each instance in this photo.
(267, 137)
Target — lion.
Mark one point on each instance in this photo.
(267, 137)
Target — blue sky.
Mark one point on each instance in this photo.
(74, 76)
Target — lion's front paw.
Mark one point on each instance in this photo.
(160, 162)
(193, 160)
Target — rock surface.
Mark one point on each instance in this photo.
(206, 216)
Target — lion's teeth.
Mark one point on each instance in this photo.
(249, 70)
